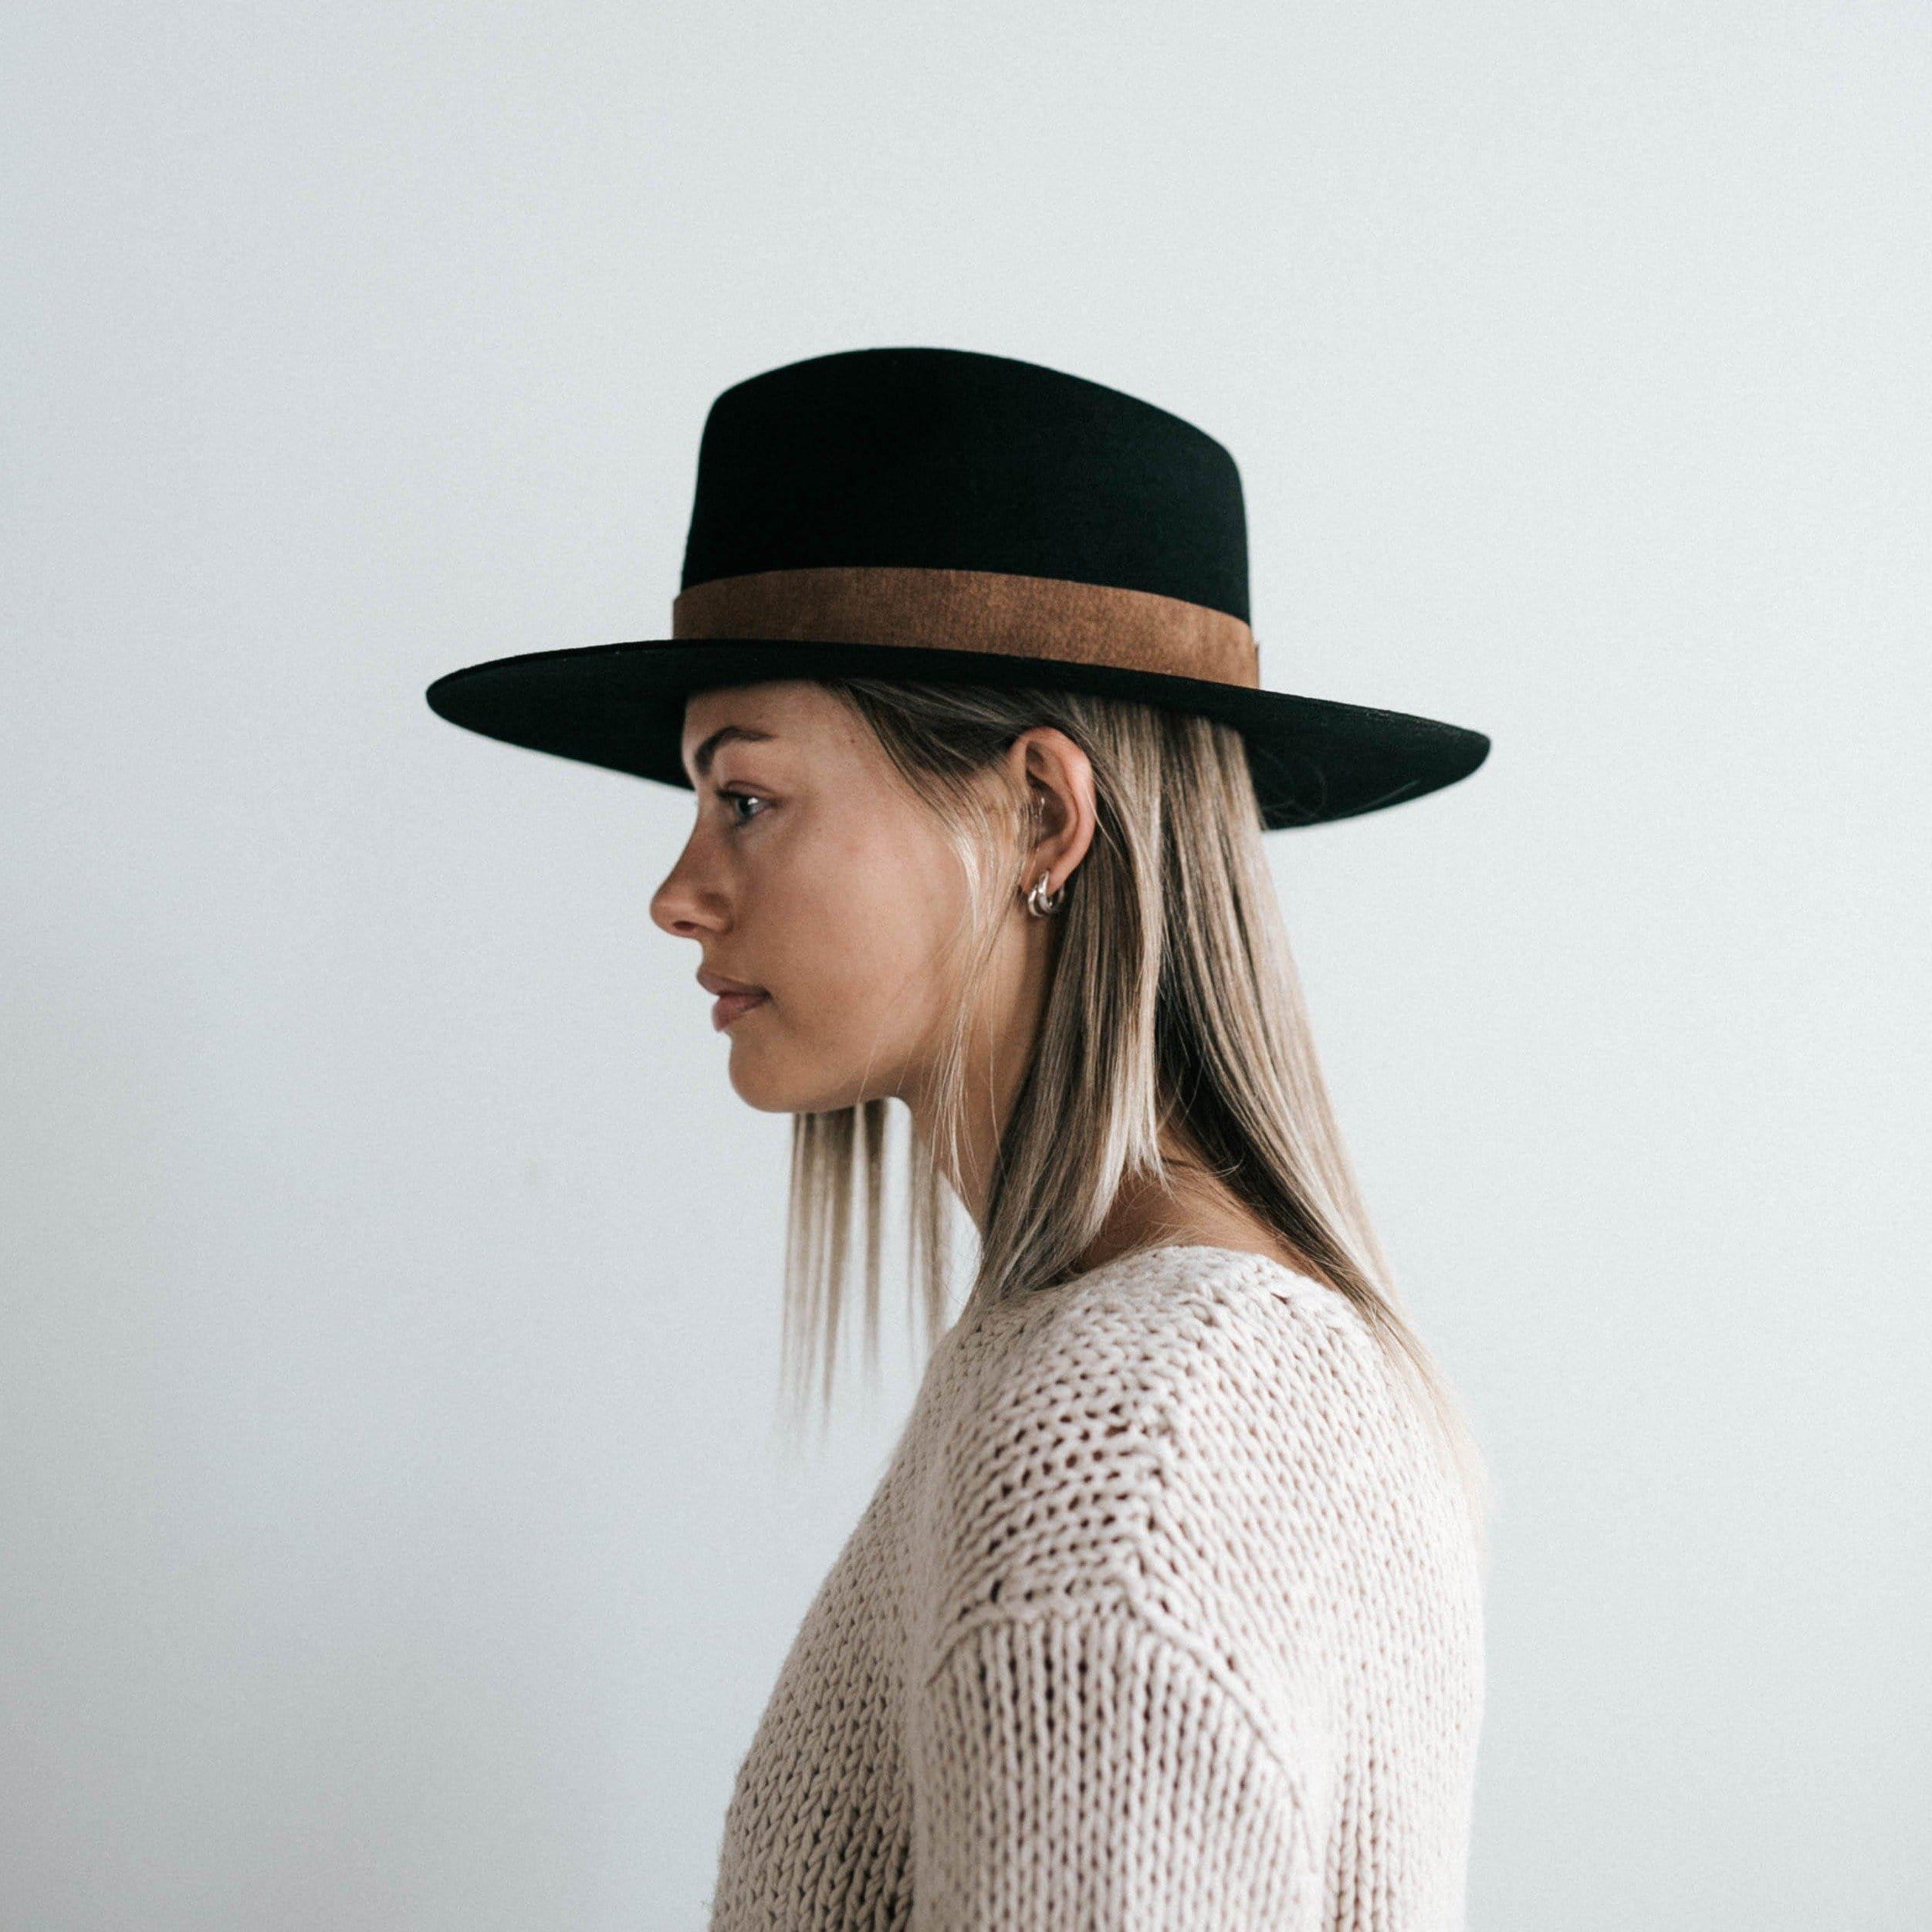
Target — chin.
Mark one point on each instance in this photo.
(756, 1089)
(762, 1079)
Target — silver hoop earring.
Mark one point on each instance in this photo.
(1040, 903)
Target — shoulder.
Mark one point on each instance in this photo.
(1101, 1435)
(1207, 1335)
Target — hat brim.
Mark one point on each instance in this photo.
(621, 706)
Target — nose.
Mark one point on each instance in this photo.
(684, 905)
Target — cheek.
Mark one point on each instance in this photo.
(853, 929)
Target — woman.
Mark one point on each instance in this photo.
(1167, 1612)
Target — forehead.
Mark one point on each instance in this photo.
(792, 708)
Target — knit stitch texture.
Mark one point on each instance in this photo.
(1165, 1617)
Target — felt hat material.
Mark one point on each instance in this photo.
(938, 515)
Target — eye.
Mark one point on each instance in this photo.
(735, 798)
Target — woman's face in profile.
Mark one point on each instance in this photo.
(813, 874)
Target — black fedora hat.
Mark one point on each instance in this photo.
(937, 515)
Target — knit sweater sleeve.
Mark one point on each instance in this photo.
(1081, 1770)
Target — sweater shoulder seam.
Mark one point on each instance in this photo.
(1165, 1631)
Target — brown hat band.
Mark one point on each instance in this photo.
(996, 611)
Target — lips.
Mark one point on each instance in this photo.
(730, 1005)
(734, 997)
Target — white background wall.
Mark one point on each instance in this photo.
(395, 1534)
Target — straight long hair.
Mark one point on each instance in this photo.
(1174, 1000)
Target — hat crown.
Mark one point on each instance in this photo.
(950, 459)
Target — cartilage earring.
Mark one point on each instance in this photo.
(1040, 903)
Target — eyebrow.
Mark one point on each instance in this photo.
(700, 758)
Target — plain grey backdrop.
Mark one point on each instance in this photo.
(396, 1535)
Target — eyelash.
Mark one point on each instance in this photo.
(736, 821)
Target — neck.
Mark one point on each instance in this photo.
(1191, 1204)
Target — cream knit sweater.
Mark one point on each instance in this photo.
(1163, 1619)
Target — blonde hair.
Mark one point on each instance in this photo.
(1174, 998)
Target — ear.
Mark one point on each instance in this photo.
(1058, 779)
